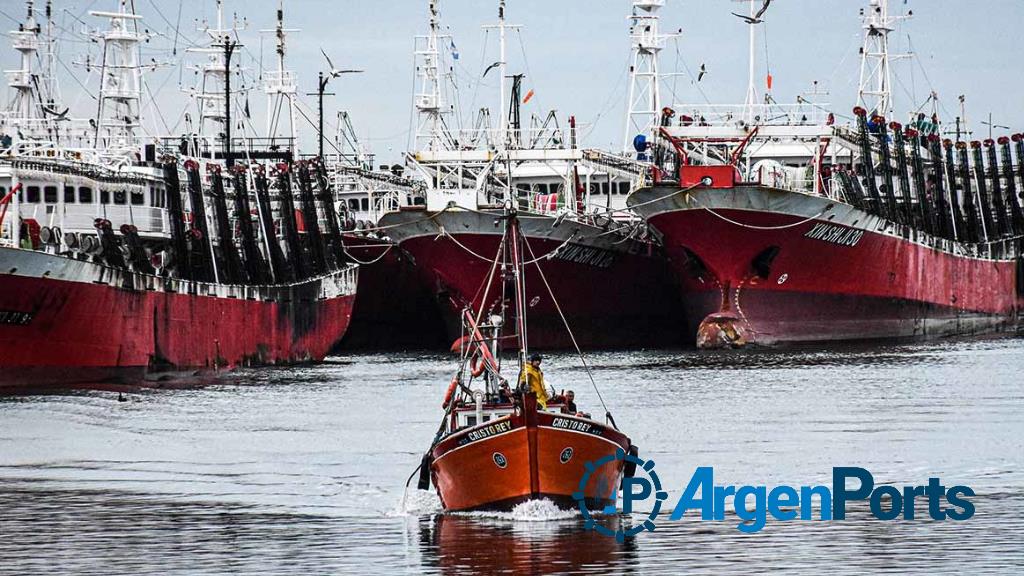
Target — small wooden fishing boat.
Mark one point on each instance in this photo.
(499, 444)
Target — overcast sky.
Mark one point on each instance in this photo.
(576, 56)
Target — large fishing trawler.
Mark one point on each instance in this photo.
(108, 270)
(785, 227)
(619, 291)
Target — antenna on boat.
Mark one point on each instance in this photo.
(644, 75)
(875, 92)
(27, 101)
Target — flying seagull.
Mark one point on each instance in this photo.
(756, 19)
(336, 72)
(491, 67)
(703, 71)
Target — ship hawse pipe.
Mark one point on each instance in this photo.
(975, 222)
(314, 240)
(955, 195)
(289, 226)
(943, 214)
(867, 163)
(175, 212)
(1012, 197)
(255, 265)
(232, 271)
(888, 192)
(336, 249)
(984, 200)
(998, 202)
(924, 210)
(203, 257)
(279, 268)
(906, 200)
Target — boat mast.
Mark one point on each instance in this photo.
(644, 76)
(118, 115)
(504, 137)
(875, 92)
(25, 104)
(430, 103)
(280, 88)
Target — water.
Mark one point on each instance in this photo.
(303, 471)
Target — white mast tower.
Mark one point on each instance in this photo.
(118, 115)
(24, 104)
(875, 93)
(280, 88)
(430, 104)
(209, 96)
(644, 76)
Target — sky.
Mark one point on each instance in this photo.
(575, 54)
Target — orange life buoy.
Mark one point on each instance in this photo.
(476, 364)
(450, 392)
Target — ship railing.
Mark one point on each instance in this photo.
(495, 138)
(740, 115)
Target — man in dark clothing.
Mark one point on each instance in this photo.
(570, 404)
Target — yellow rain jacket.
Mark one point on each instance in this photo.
(534, 379)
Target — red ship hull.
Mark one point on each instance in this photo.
(760, 265)
(394, 308)
(65, 321)
(612, 293)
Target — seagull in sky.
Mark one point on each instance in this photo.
(756, 19)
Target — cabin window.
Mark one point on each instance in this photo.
(156, 197)
(353, 205)
(471, 420)
(69, 194)
(365, 204)
(623, 188)
(50, 194)
(120, 197)
(523, 187)
(85, 195)
(138, 198)
(33, 195)
(104, 197)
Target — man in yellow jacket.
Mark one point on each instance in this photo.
(533, 377)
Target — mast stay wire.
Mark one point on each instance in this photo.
(572, 336)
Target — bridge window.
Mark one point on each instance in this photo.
(69, 194)
(623, 188)
(33, 195)
(104, 197)
(120, 197)
(353, 205)
(85, 195)
(365, 204)
(138, 198)
(50, 194)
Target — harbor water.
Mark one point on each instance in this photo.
(303, 471)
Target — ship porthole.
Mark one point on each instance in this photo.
(499, 460)
(565, 456)
(783, 278)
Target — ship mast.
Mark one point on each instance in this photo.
(430, 103)
(280, 88)
(26, 102)
(503, 28)
(213, 94)
(644, 76)
(118, 115)
(875, 92)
